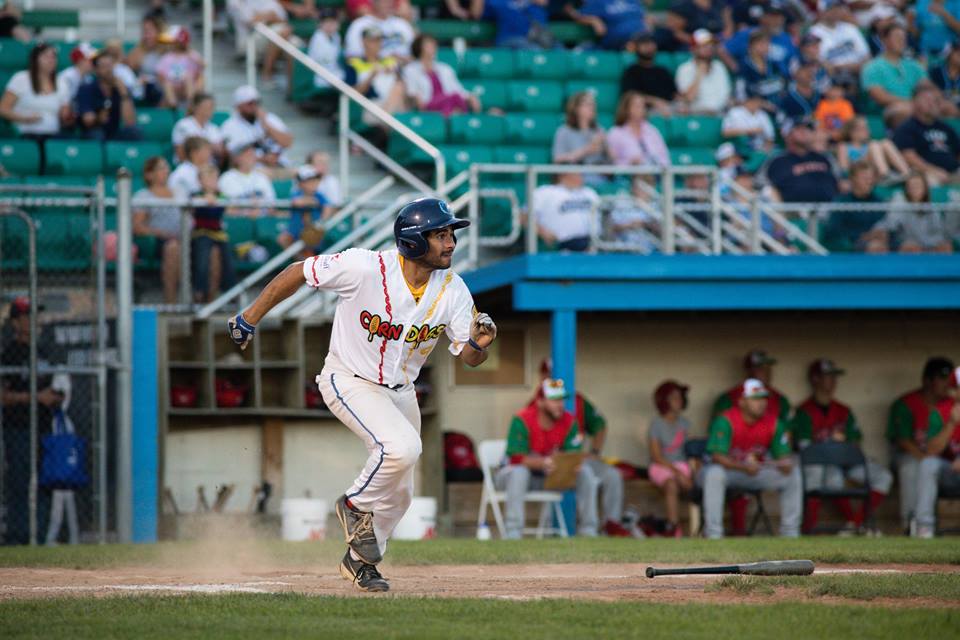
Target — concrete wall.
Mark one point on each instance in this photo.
(212, 457)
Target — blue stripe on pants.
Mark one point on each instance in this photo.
(360, 422)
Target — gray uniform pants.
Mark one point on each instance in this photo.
(716, 479)
(516, 480)
(611, 482)
(908, 468)
(933, 473)
(832, 477)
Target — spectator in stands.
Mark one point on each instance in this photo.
(198, 122)
(31, 99)
(856, 145)
(801, 98)
(728, 162)
(309, 210)
(245, 182)
(929, 145)
(160, 221)
(843, 49)
(758, 74)
(666, 439)
(326, 47)
(946, 77)
(855, 230)
(185, 179)
(810, 55)
(144, 57)
(104, 106)
(652, 81)
(916, 230)
(749, 126)
(180, 70)
(396, 32)
(378, 77)
(301, 9)
(251, 122)
(433, 85)
(614, 22)
(126, 75)
(800, 174)
(891, 77)
(937, 23)
(702, 82)
(634, 140)
(564, 212)
(81, 64)
(580, 140)
(210, 250)
(833, 112)
(245, 15)
(820, 418)
(10, 26)
(689, 15)
(633, 217)
(521, 24)
(750, 449)
(536, 433)
(940, 469)
(772, 20)
(915, 418)
(329, 186)
(400, 8)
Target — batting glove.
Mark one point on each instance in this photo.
(241, 331)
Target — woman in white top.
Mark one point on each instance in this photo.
(198, 122)
(160, 221)
(31, 99)
(433, 85)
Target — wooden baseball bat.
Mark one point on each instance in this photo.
(766, 568)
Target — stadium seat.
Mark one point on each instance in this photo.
(544, 95)
(947, 193)
(695, 131)
(155, 124)
(52, 18)
(878, 130)
(14, 54)
(459, 157)
(495, 216)
(663, 126)
(955, 123)
(522, 155)
(692, 156)
(240, 229)
(571, 32)
(267, 229)
(131, 155)
(219, 117)
(541, 65)
(20, 157)
(282, 188)
(64, 241)
(74, 157)
(606, 93)
(446, 30)
(492, 93)
(431, 125)
(477, 129)
(488, 63)
(448, 56)
(596, 65)
(532, 128)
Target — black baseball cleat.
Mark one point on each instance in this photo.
(358, 531)
(365, 576)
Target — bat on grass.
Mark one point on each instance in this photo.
(767, 568)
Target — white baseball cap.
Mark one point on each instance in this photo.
(725, 151)
(245, 93)
(307, 172)
(702, 36)
(753, 388)
(554, 389)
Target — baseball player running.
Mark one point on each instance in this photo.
(393, 307)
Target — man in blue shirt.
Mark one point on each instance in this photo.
(515, 19)
(104, 105)
(616, 22)
(801, 99)
(772, 21)
(800, 174)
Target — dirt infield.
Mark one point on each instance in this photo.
(604, 582)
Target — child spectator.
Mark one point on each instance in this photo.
(728, 163)
(433, 85)
(326, 46)
(211, 254)
(856, 145)
(668, 435)
(329, 184)
(185, 179)
(917, 230)
(179, 71)
(833, 111)
(564, 212)
(31, 99)
(198, 122)
(309, 210)
(160, 221)
(245, 182)
(633, 218)
(144, 57)
(580, 140)
(749, 126)
(634, 140)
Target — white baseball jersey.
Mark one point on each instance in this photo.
(566, 213)
(379, 332)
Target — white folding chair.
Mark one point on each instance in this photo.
(491, 453)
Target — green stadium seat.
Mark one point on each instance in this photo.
(488, 63)
(283, 188)
(303, 27)
(532, 128)
(606, 93)
(477, 129)
(887, 192)
(947, 193)
(52, 18)
(131, 155)
(431, 125)
(522, 155)
(146, 253)
(596, 65)
(14, 54)
(446, 30)
(571, 32)
(14, 243)
(74, 157)
(450, 57)
(543, 95)
(267, 229)
(955, 123)
(460, 157)
(20, 157)
(64, 241)
(541, 65)
(495, 216)
(663, 126)
(686, 156)
(492, 93)
(240, 229)
(302, 87)
(156, 124)
(695, 131)
(878, 130)
(219, 117)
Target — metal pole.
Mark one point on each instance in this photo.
(531, 217)
(251, 58)
(102, 378)
(344, 146)
(208, 44)
(121, 17)
(755, 226)
(186, 246)
(473, 214)
(32, 238)
(125, 353)
(716, 217)
(667, 239)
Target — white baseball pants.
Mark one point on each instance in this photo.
(388, 422)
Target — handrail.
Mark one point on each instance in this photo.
(345, 89)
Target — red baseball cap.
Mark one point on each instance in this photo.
(21, 307)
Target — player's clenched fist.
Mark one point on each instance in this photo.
(241, 331)
(483, 330)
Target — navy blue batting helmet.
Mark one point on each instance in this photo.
(417, 218)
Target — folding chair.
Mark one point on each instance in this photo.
(836, 454)
(491, 454)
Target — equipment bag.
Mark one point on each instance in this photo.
(64, 456)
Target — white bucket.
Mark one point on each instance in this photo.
(419, 522)
(304, 519)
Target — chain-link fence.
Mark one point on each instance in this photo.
(56, 364)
